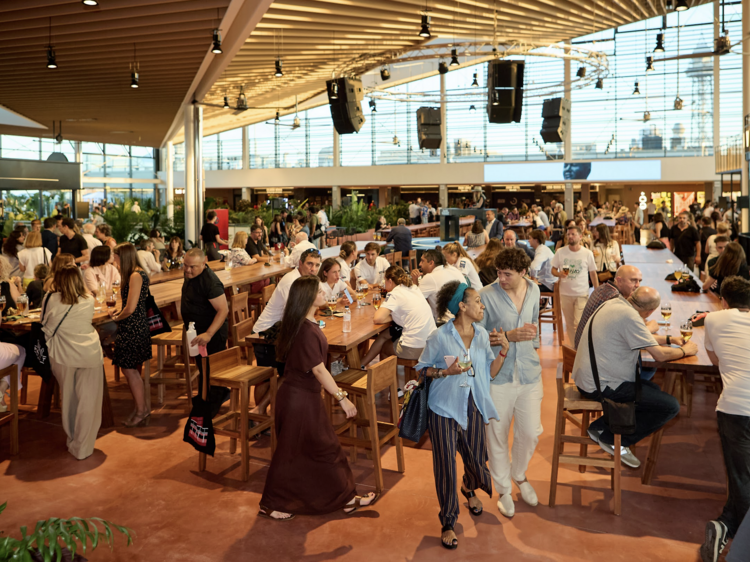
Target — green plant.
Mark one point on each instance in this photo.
(49, 538)
(125, 224)
(355, 216)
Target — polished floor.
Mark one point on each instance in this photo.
(147, 479)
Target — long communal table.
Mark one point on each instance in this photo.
(172, 274)
(464, 223)
(655, 267)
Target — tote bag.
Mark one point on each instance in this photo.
(413, 422)
(37, 354)
(157, 324)
(199, 429)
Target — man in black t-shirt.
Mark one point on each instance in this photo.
(72, 242)
(211, 237)
(49, 238)
(706, 231)
(685, 241)
(255, 247)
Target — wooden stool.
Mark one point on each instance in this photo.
(398, 259)
(240, 332)
(25, 384)
(570, 400)
(410, 373)
(177, 365)
(554, 315)
(389, 257)
(363, 386)
(412, 260)
(258, 301)
(11, 416)
(238, 311)
(228, 371)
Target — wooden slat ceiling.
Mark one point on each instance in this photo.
(314, 37)
(94, 48)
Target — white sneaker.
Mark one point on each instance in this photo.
(506, 505)
(3, 407)
(527, 493)
(626, 456)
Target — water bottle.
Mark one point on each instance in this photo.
(191, 335)
(347, 319)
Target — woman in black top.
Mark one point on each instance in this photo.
(732, 261)
(211, 238)
(660, 230)
(278, 232)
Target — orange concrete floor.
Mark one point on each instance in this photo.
(147, 479)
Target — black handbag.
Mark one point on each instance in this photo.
(656, 244)
(619, 417)
(37, 354)
(157, 324)
(199, 429)
(413, 422)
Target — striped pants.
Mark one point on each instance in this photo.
(447, 436)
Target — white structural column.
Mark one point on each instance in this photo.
(169, 170)
(336, 189)
(717, 74)
(190, 225)
(443, 188)
(79, 160)
(246, 191)
(567, 146)
(745, 100)
(200, 180)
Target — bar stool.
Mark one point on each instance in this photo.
(410, 373)
(240, 331)
(228, 371)
(238, 311)
(553, 315)
(258, 301)
(398, 259)
(11, 416)
(412, 260)
(363, 387)
(178, 365)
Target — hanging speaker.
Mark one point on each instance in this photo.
(556, 119)
(428, 127)
(504, 91)
(344, 97)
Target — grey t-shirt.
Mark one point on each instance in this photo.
(619, 334)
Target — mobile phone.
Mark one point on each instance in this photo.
(348, 295)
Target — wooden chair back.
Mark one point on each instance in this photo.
(11, 416)
(267, 292)
(569, 359)
(240, 331)
(238, 308)
(389, 257)
(412, 260)
(224, 360)
(381, 375)
(397, 258)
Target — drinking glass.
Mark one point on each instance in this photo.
(332, 302)
(685, 272)
(686, 331)
(361, 292)
(678, 274)
(464, 361)
(115, 287)
(22, 304)
(101, 296)
(111, 300)
(666, 312)
(2, 304)
(376, 300)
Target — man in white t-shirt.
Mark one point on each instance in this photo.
(651, 210)
(541, 265)
(726, 344)
(574, 265)
(372, 268)
(415, 211)
(301, 244)
(435, 275)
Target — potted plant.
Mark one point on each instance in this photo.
(58, 539)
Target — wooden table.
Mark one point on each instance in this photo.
(635, 254)
(684, 305)
(463, 223)
(171, 275)
(520, 228)
(599, 220)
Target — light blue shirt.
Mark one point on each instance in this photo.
(501, 313)
(447, 397)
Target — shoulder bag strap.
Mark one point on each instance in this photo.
(61, 321)
(44, 306)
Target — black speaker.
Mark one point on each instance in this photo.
(344, 97)
(428, 127)
(504, 91)
(556, 115)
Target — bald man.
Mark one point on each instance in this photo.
(619, 333)
(301, 243)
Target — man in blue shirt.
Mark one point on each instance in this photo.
(512, 304)
(401, 237)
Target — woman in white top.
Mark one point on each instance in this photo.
(238, 255)
(12, 245)
(148, 258)
(101, 270)
(76, 358)
(606, 251)
(330, 279)
(406, 307)
(457, 257)
(347, 256)
(31, 256)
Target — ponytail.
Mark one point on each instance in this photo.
(347, 248)
(399, 277)
(456, 248)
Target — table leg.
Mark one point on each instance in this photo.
(108, 418)
(354, 358)
(655, 445)
(690, 387)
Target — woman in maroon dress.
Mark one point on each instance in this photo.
(309, 473)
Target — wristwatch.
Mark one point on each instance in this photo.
(439, 374)
(669, 340)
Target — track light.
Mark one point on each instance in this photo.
(425, 31)
(682, 5)
(442, 67)
(636, 91)
(495, 98)
(51, 59)
(89, 2)
(581, 72)
(472, 109)
(474, 82)
(226, 103)
(454, 58)
(650, 64)
(334, 95)
(678, 103)
(600, 84)
(278, 72)
(216, 47)
(242, 100)
(385, 74)
(659, 43)
(373, 107)
(133, 79)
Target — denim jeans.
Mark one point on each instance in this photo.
(734, 432)
(652, 411)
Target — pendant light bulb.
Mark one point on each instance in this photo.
(51, 57)
(600, 84)
(659, 43)
(89, 2)
(226, 103)
(650, 64)
(242, 99)
(278, 73)
(475, 83)
(581, 72)
(334, 95)
(472, 109)
(216, 45)
(425, 30)
(454, 58)
(682, 5)
(134, 79)
(385, 74)
(636, 90)
(678, 103)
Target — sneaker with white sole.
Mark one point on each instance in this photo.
(527, 493)
(716, 540)
(626, 456)
(506, 505)
(594, 435)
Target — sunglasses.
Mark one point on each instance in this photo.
(309, 252)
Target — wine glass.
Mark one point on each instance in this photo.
(666, 312)
(332, 302)
(464, 361)
(376, 300)
(686, 331)
(115, 287)
(111, 300)
(361, 292)
(685, 272)
(678, 274)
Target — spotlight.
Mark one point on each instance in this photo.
(581, 72)
(276, 119)
(600, 84)
(134, 79)
(670, 5)
(51, 58)
(442, 67)
(278, 73)
(226, 103)
(474, 82)
(373, 107)
(89, 2)
(678, 103)
(216, 47)
(472, 109)
(425, 31)
(241, 99)
(454, 58)
(334, 91)
(659, 43)
(385, 74)
(636, 91)
(682, 5)
(650, 64)
(495, 98)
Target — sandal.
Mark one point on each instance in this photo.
(454, 543)
(357, 503)
(265, 512)
(468, 495)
